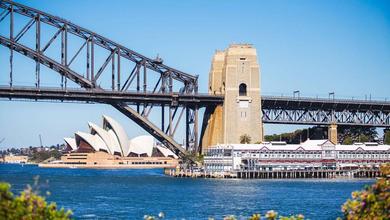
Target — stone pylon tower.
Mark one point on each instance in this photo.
(235, 73)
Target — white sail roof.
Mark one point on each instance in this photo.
(94, 140)
(110, 140)
(141, 145)
(120, 133)
(115, 140)
(71, 142)
(166, 152)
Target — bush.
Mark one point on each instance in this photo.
(245, 139)
(373, 202)
(44, 155)
(27, 206)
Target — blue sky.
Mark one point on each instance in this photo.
(312, 46)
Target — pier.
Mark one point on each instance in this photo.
(279, 174)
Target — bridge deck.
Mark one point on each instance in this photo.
(200, 99)
(104, 96)
(324, 104)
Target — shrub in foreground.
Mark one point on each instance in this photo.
(372, 202)
(27, 206)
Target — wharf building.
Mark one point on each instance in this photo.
(309, 155)
(109, 147)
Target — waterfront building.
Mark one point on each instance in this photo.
(311, 154)
(15, 159)
(109, 147)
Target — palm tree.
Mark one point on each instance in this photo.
(245, 139)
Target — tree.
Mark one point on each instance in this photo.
(299, 135)
(356, 133)
(363, 138)
(27, 206)
(40, 156)
(348, 140)
(245, 139)
(387, 137)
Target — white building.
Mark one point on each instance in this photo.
(111, 138)
(311, 154)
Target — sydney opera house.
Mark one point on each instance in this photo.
(109, 147)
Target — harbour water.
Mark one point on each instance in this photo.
(131, 194)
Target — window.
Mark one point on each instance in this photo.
(242, 89)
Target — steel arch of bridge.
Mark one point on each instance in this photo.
(121, 80)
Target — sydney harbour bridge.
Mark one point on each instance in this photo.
(136, 85)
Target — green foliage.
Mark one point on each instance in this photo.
(387, 137)
(356, 133)
(363, 138)
(373, 202)
(191, 158)
(299, 135)
(351, 133)
(40, 156)
(27, 206)
(348, 140)
(245, 139)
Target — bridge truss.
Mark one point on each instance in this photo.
(121, 70)
(310, 111)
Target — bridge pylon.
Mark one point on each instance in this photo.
(235, 73)
(332, 133)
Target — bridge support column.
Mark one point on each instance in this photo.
(332, 133)
(235, 73)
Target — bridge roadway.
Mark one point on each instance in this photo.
(276, 110)
(105, 96)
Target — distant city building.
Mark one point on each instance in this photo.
(311, 154)
(15, 159)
